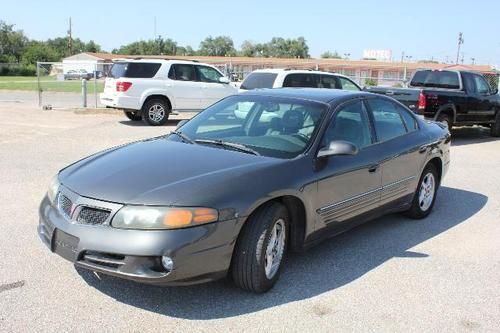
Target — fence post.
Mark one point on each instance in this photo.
(84, 93)
(95, 84)
(38, 84)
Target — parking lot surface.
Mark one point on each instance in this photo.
(392, 274)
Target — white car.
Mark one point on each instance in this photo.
(149, 89)
(279, 78)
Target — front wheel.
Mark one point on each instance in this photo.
(155, 112)
(261, 248)
(425, 196)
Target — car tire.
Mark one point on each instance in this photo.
(425, 195)
(261, 247)
(495, 128)
(133, 115)
(155, 112)
(445, 118)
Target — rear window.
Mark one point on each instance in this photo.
(259, 80)
(134, 70)
(436, 79)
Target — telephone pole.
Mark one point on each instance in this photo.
(460, 42)
(70, 38)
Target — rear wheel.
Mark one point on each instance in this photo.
(133, 115)
(155, 112)
(260, 249)
(424, 198)
(445, 118)
(495, 128)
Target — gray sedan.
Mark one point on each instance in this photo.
(228, 195)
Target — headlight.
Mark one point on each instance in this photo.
(144, 217)
(53, 189)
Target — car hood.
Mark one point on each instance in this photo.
(159, 172)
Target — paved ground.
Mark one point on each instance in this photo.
(393, 274)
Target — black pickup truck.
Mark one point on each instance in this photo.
(458, 98)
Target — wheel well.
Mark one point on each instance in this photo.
(448, 110)
(163, 97)
(436, 161)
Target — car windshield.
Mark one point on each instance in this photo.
(258, 80)
(269, 126)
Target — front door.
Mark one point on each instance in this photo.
(348, 185)
(211, 89)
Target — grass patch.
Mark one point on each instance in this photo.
(47, 83)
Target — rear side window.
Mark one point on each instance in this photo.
(410, 122)
(387, 120)
(329, 82)
(182, 72)
(436, 79)
(301, 81)
(259, 81)
(134, 70)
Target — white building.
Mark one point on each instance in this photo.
(86, 61)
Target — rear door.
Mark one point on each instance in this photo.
(400, 147)
(185, 87)
(211, 89)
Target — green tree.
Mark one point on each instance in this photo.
(92, 46)
(38, 51)
(218, 46)
(331, 55)
(159, 46)
(12, 43)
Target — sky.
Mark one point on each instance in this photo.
(421, 29)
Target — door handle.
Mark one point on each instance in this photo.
(373, 168)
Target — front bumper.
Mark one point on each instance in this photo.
(200, 254)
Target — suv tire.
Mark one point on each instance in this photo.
(133, 115)
(261, 247)
(155, 112)
(495, 128)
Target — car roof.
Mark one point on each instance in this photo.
(160, 61)
(311, 94)
(290, 71)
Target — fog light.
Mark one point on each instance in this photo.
(167, 263)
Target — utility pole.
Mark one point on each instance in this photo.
(473, 61)
(70, 38)
(460, 42)
(154, 28)
(402, 56)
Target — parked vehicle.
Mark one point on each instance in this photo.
(280, 78)
(457, 98)
(151, 89)
(224, 195)
(80, 74)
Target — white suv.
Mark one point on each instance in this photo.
(280, 78)
(149, 89)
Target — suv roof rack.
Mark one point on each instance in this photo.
(161, 58)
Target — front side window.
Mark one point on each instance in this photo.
(481, 86)
(301, 81)
(347, 84)
(272, 126)
(387, 120)
(208, 74)
(182, 72)
(351, 124)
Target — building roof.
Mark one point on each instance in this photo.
(310, 63)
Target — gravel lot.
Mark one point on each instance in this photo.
(392, 274)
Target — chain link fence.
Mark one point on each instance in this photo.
(69, 85)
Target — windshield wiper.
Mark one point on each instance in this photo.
(184, 137)
(233, 145)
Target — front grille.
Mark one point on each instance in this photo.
(93, 216)
(64, 204)
(104, 260)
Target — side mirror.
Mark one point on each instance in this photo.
(224, 80)
(181, 123)
(338, 148)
